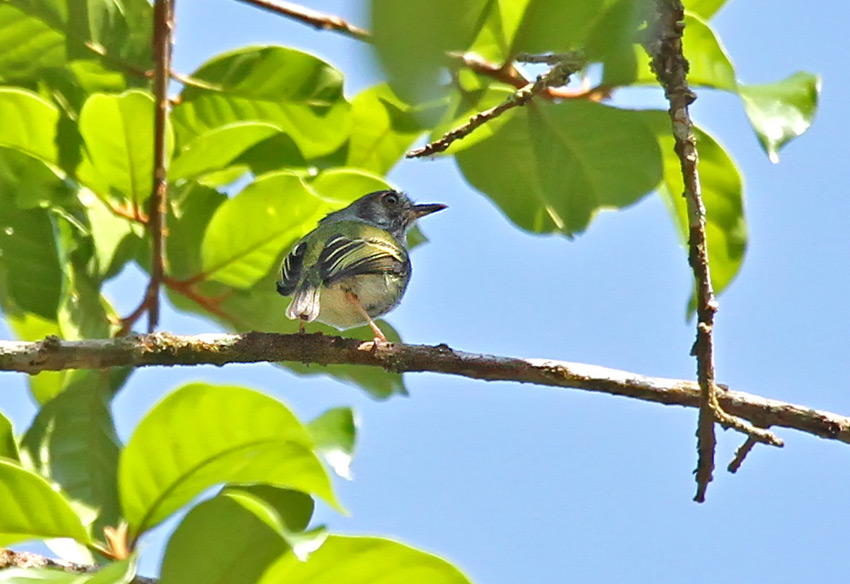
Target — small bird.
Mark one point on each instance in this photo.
(354, 266)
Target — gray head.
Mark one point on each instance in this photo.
(390, 210)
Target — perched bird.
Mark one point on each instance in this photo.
(354, 266)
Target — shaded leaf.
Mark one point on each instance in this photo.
(193, 206)
(704, 8)
(29, 262)
(8, 442)
(72, 441)
(781, 111)
(335, 432)
(364, 560)
(115, 238)
(32, 509)
(722, 195)
(29, 327)
(27, 44)
(295, 91)
(568, 161)
(29, 182)
(293, 508)
(179, 450)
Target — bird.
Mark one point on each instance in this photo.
(354, 266)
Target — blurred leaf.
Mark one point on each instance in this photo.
(722, 195)
(383, 128)
(293, 508)
(496, 37)
(411, 39)
(781, 111)
(341, 186)
(29, 123)
(466, 103)
(29, 264)
(335, 432)
(8, 442)
(121, 572)
(297, 92)
(83, 312)
(118, 133)
(218, 148)
(179, 449)
(568, 161)
(31, 182)
(248, 233)
(72, 441)
(32, 509)
(27, 44)
(709, 63)
(558, 25)
(27, 326)
(364, 560)
(231, 538)
(272, 154)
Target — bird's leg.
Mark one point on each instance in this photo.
(301, 326)
(379, 334)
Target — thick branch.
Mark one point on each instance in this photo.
(27, 560)
(218, 349)
(312, 17)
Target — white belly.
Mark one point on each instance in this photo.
(378, 294)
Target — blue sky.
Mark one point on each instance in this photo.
(525, 484)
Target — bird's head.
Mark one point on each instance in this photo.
(389, 210)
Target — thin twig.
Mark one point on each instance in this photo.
(741, 454)
(671, 67)
(556, 76)
(28, 560)
(312, 17)
(163, 28)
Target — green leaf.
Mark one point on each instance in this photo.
(29, 123)
(248, 233)
(709, 63)
(29, 262)
(202, 435)
(297, 92)
(192, 209)
(341, 186)
(335, 432)
(704, 8)
(216, 149)
(364, 560)
(72, 441)
(8, 442)
(29, 327)
(118, 134)
(32, 509)
(29, 182)
(231, 538)
(293, 508)
(412, 39)
(83, 312)
(568, 161)
(557, 25)
(27, 44)
(383, 128)
(722, 195)
(115, 238)
(781, 111)
(499, 30)
(121, 572)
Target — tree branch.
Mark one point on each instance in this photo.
(557, 75)
(53, 354)
(28, 560)
(671, 67)
(312, 17)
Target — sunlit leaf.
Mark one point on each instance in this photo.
(295, 91)
(781, 111)
(568, 162)
(216, 149)
(118, 134)
(32, 509)
(27, 44)
(179, 450)
(8, 442)
(29, 123)
(364, 560)
(722, 195)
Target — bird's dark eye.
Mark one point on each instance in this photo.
(391, 198)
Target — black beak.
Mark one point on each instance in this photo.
(427, 209)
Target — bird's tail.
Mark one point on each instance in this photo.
(305, 303)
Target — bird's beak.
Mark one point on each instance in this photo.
(426, 209)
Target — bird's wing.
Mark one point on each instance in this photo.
(290, 269)
(344, 257)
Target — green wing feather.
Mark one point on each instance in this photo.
(345, 257)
